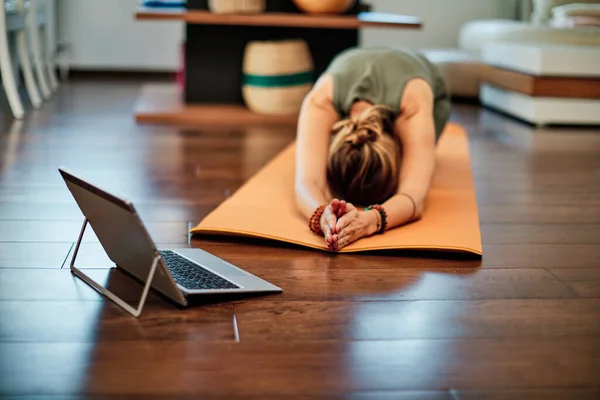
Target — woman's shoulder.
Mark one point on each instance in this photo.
(418, 95)
(322, 91)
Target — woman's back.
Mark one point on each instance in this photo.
(378, 75)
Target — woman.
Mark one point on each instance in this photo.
(386, 109)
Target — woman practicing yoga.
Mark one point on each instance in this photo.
(386, 109)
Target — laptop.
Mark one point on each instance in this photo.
(176, 273)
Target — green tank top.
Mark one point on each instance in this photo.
(379, 76)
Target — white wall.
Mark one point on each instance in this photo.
(104, 34)
(442, 20)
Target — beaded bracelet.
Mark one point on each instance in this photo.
(315, 220)
(383, 216)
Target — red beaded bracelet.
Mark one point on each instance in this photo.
(315, 220)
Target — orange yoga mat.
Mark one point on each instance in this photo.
(264, 207)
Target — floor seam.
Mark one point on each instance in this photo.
(573, 291)
(67, 256)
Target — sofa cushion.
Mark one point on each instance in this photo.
(542, 9)
(474, 35)
(575, 15)
(577, 10)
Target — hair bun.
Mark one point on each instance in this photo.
(369, 126)
(361, 136)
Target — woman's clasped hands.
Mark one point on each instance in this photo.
(342, 224)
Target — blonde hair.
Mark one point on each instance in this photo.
(364, 158)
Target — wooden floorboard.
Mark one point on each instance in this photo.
(533, 394)
(165, 212)
(61, 285)
(288, 368)
(354, 284)
(33, 255)
(76, 321)
(584, 281)
(372, 395)
(68, 231)
(449, 319)
(520, 323)
(538, 214)
(544, 255)
(519, 233)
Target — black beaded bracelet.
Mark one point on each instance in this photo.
(383, 216)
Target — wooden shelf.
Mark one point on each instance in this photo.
(162, 104)
(362, 20)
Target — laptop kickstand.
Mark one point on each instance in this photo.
(136, 312)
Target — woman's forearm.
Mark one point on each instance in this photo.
(309, 196)
(400, 210)
(417, 132)
(317, 117)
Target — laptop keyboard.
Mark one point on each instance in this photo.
(191, 275)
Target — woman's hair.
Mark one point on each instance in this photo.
(364, 158)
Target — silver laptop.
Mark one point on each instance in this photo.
(176, 273)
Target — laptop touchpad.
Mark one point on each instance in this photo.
(211, 261)
(222, 267)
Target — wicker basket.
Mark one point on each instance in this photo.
(237, 6)
(277, 75)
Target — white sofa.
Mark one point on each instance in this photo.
(463, 68)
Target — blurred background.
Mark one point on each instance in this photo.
(105, 35)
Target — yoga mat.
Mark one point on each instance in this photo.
(264, 207)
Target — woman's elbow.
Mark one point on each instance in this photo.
(417, 216)
(419, 210)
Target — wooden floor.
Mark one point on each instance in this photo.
(523, 323)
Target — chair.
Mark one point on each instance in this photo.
(47, 52)
(27, 23)
(34, 18)
(10, 21)
(23, 50)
